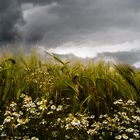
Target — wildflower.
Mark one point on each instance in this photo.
(129, 130)
(39, 103)
(134, 121)
(105, 122)
(51, 101)
(43, 121)
(20, 121)
(105, 115)
(7, 113)
(42, 107)
(91, 131)
(75, 122)
(53, 107)
(3, 134)
(33, 111)
(15, 114)
(103, 133)
(26, 138)
(13, 104)
(138, 110)
(120, 101)
(7, 119)
(1, 127)
(67, 137)
(125, 136)
(22, 95)
(123, 114)
(136, 135)
(116, 119)
(68, 119)
(130, 102)
(71, 115)
(67, 98)
(92, 116)
(50, 112)
(118, 137)
(101, 116)
(54, 133)
(27, 99)
(59, 108)
(20, 113)
(34, 138)
(32, 105)
(95, 124)
(68, 126)
(137, 118)
(34, 81)
(40, 86)
(100, 138)
(58, 120)
(85, 122)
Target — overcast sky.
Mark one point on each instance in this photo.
(86, 28)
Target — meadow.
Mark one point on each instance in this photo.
(49, 99)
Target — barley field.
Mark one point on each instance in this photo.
(60, 100)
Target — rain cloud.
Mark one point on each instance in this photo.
(87, 23)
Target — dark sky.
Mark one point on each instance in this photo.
(107, 27)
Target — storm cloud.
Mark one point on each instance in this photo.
(61, 21)
(72, 25)
(122, 57)
(104, 21)
(9, 15)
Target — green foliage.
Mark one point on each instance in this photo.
(43, 119)
(90, 88)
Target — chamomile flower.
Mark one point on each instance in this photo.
(124, 136)
(53, 107)
(75, 122)
(34, 138)
(118, 137)
(59, 108)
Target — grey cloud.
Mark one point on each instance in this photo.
(10, 16)
(127, 57)
(103, 21)
(37, 2)
(54, 22)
